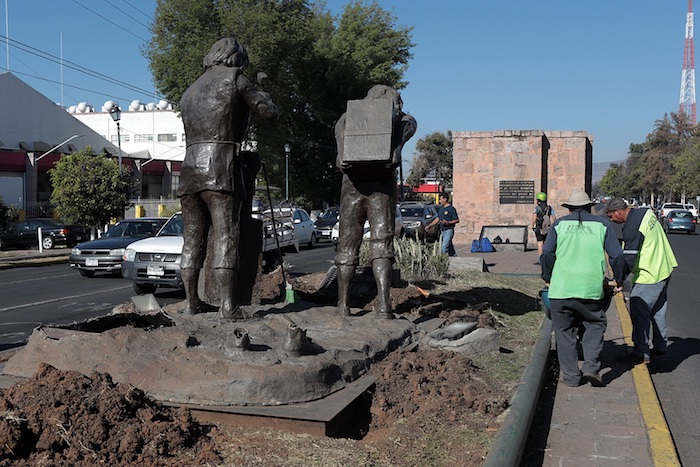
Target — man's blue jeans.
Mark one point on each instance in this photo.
(648, 304)
(447, 246)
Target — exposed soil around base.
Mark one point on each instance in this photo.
(428, 407)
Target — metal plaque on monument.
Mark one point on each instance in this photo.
(368, 133)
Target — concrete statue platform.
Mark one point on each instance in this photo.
(200, 360)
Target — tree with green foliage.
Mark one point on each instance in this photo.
(315, 63)
(90, 189)
(433, 160)
(686, 180)
(661, 166)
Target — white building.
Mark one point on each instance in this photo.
(35, 132)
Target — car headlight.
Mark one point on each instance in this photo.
(75, 251)
(177, 260)
(415, 224)
(129, 255)
(116, 252)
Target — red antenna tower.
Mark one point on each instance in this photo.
(687, 104)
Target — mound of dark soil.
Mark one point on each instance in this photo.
(66, 418)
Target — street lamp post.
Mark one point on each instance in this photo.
(287, 150)
(116, 114)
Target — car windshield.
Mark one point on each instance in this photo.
(133, 229)
(681, 214)
(412, 212)
(173, 227)
(330, 214)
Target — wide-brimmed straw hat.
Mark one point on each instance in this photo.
(578, 199)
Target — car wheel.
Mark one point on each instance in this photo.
(313, 240)
(142, 289)
(47, 242)
(85, 273)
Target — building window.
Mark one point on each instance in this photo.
(167, 137)
(114, 139)
(183, 138)
(143, 138)
(175, 182)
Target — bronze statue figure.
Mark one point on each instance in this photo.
(368, 154)
(215, 111)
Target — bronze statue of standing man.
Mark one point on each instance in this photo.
(370, 136)
(215, 111)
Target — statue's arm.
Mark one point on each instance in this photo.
(405, 129)
(259, 101)
(339, 141)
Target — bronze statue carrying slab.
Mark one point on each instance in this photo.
(368, 190)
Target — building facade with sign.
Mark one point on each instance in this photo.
(498, 173)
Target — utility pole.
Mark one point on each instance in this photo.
(687, 101)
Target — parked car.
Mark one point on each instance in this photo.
(668, 207)
(155, 261)
(692, 209)
(399, 230)
(25, 234)
(299, 220)
(325, 222)
(679, 220)
(105, 253)
(416, 216)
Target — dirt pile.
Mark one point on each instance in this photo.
(66, 418)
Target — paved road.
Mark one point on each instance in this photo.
(677, 383)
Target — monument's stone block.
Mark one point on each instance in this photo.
(368, 128)
(497, 175)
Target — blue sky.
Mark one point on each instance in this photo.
(609, 67)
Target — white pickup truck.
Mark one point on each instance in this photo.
(155, 262)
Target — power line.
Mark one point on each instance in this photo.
(109, 21)
(135, 8)
(126, 14)
(74, 66)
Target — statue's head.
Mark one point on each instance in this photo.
(226, 52)
(381, 91)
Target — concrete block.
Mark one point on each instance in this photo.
(467, 263)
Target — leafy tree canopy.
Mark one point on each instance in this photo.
(315, 63)
(663, 167)
(433, 159)
(89, 189)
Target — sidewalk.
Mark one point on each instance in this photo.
(15, 257)
(618, 425)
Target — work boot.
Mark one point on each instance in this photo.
(345, 275)
(382, 270)
(190, 279)
(594, 378)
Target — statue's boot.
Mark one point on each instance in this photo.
(190, 280)
(345, 276)
(382, 270)
(226, 278)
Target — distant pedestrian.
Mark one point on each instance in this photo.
(542, 218)
(651, 260)
(574, 266)
(447, 219)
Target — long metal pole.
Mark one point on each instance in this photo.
(286, 176)
(119, 145)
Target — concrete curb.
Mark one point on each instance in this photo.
(15, 262)
(509, 444)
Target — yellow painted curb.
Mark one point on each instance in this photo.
(663, 451)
